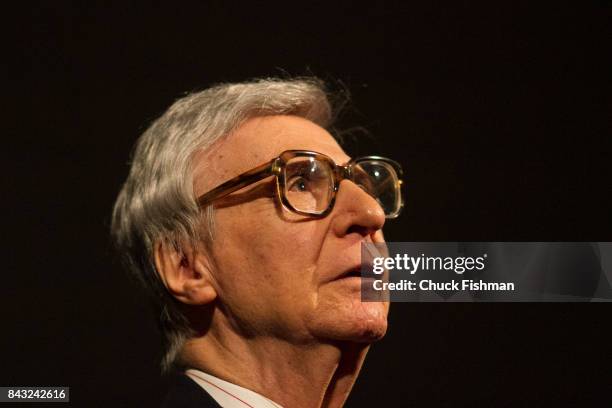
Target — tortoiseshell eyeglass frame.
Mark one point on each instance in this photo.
(276, 166)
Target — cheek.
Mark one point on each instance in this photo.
(266, 268)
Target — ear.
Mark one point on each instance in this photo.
(185, 272)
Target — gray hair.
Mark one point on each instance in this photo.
(157, 204)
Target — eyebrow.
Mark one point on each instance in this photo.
(300, 165)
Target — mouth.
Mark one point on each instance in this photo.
(352, 273)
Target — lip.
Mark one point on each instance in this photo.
(354, 272)
(350, 273)
(354, 268)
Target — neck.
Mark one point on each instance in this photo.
(293, 375)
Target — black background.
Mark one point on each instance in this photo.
(499, 114)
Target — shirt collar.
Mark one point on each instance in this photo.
(229, 395)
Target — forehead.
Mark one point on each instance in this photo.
(257, 141)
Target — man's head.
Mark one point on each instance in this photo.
(245, 260)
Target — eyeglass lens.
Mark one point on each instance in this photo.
(381, 181)
(309, 183)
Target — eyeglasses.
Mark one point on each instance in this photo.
(307, 182)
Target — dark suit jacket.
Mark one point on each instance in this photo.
(185, 393)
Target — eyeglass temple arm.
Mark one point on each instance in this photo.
(238, 182)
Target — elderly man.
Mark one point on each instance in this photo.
(244, 218)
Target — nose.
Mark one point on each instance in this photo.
(356, 211)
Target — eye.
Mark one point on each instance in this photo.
(298, 183)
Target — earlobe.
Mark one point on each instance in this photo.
(185, 273)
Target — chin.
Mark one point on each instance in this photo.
(369, 323)
(355, 321)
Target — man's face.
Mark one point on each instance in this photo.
(277, 273)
